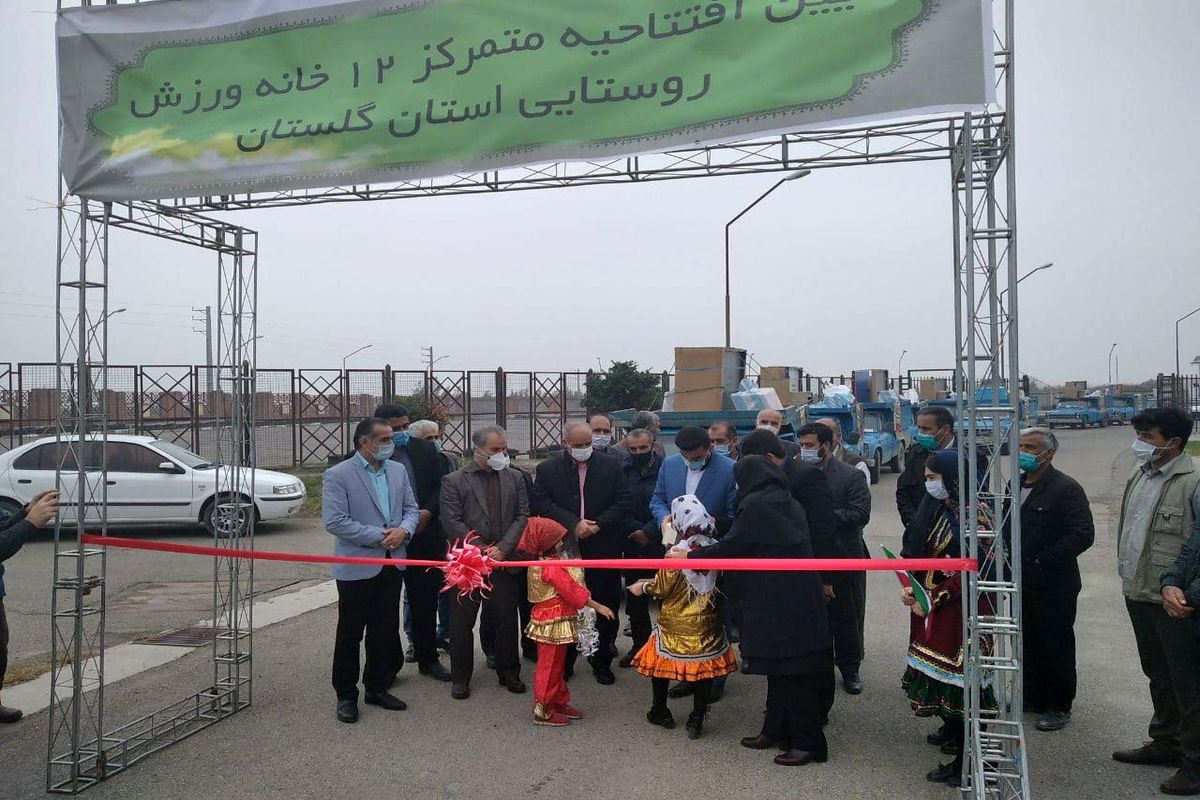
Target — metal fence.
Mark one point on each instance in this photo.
(303, 416)
(1180, 391)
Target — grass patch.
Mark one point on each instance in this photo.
(312, 478)
(28, 670)
(1193, 448)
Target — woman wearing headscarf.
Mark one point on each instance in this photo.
(933, 679)
(785, 635)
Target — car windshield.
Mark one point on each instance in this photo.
(186, 457)
(1073, 404)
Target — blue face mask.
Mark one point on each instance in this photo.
(810, 456)
(928, 441)
(384, 452)
(1028, 462)
(723, 449)
(437, 445)
(401, 439)
(696, 466)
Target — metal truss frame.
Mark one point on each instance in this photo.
(979, 149)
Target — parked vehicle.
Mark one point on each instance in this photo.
(1078, 412)
(1029, 414)
(1122, 408)
(150, 481)
(877, 432)
(671, 421)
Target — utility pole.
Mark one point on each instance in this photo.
(206, 321)
(427, 357)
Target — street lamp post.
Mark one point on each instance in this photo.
(1110, 364)
(1181, 319)
(346, 357)
(903, 353)
(346, 384)
(794, 176)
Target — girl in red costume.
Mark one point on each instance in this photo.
(557, 594)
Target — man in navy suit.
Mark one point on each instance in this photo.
(696, 469)
(369, 506)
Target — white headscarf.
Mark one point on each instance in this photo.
(689, 518)
(688, 513)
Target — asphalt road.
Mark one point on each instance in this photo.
(289, 745)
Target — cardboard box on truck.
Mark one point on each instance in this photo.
(932, 389)
(868, 383)
(701, 400)
(784, 380)
(705, 377)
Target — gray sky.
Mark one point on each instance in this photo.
(841, 270)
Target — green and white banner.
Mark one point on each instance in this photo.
(182, 98)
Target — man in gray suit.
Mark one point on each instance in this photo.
(369, 506)
(486, 502)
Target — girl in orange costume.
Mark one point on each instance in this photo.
(557, 594)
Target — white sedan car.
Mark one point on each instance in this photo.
(149, 481)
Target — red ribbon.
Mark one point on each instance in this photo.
(728, 564)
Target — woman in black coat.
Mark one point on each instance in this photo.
(784, 631)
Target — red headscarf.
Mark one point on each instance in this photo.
(540, 536)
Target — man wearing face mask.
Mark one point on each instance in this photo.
(697, 470)
(585, 492)
(643, 540)
(851, 499)
(425, 468)
(1056, 528)
(1159, 510)
(840, 452)
(724, 437)
(935, 431)
(486, 501)
(771, 420)
(602, 435)
(649, 422)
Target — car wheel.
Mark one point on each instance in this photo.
(897, 463)
(10, 507)
(227, 519)
(875, 468)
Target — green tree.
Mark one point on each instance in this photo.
(623, 386)
(420, 408)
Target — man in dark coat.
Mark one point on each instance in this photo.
(852, 511)
(585, 492)
(784, 633)
(808, 485)
(426, 468)
(935, 431)
(643, 540)
(1056, 528)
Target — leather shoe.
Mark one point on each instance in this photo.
(347, 711)
(851, 682)
(9, 715)
(945, 773)
(759, 742)
(681, 689)
(1053, 721)
(940, 736)
(798, 758)
(435, 670)
(460, 691)
(604, 676)
(385, 700)
(1151, 753)
(513, 684)
(1184, 783)
(661, 717)
(490, 659)
(410, 655)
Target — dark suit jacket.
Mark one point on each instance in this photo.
(465, 510)
(428, 468)
(910, 486)
(640, 483)
(1056, 528)
(851, 506)
(605, 500)
(810, 487)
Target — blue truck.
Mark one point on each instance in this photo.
(1079, 412)
(881, 432)
(983, 425)
(1122, 408)
(671, 421)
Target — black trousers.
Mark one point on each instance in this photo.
(500, 612)
(423, 585)
(487, 631)
(796, 706)
(1048, 625)
(845, 612)
(606, 588)
(1170, 656)
(3, 643)
(637, 610)
(372, 606)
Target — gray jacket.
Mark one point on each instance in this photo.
(350, 511)
(851, 506)
(465, 509)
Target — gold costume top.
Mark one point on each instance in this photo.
(689, 625)
(557, 593)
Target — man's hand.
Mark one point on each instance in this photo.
(494, 553)
(393, 538)
(42, 509)
(673, 553)
(586, 529)
(906, 597)
(1175, 603)
(637, 588)
(828, 589)
(423, 519)
(666, 521)
(640, 538)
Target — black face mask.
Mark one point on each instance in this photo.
(640, 459)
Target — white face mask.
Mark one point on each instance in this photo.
(580, 454)
(937, 490)
(498, 461)
(767, 426)
(1144, 451)
(601, 440)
